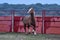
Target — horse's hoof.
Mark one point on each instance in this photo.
(35, 33)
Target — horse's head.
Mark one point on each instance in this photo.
(31, 10)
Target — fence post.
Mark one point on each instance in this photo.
(43, 20)
(13, 12)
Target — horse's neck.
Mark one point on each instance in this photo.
(32, 14)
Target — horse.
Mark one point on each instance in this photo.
(29, 21)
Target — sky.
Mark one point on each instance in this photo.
(30, 1)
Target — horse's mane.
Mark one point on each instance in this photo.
(27, 19)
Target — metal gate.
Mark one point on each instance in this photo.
(52, 22)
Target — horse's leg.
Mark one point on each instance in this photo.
(34, 29)
(25, 27)
(28, 29)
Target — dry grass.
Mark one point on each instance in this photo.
(22, 36)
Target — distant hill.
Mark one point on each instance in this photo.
(37, 7)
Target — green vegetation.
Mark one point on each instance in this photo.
(23, 36)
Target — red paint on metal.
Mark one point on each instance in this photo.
(52, 24)
(5, 23)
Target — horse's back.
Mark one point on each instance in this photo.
(27, 19)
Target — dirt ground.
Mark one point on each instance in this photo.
(23, 36)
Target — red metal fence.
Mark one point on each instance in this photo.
(5, 23)
(51, 24)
